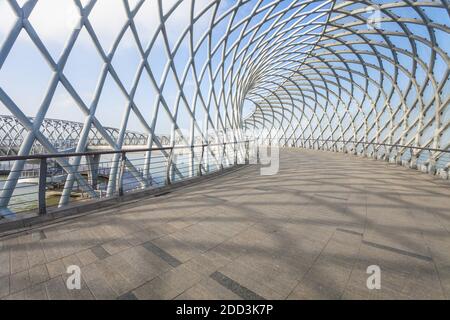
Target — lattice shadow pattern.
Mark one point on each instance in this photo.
(286, 72)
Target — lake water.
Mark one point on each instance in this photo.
(25, 196)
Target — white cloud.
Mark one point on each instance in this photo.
(54, 20)
(7, 17)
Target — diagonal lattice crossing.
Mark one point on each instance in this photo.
(286, 72)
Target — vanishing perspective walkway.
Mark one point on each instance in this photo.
(309, 232)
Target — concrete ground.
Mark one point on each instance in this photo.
(309, 232)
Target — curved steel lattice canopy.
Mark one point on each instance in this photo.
(285, 71)
(63, 135)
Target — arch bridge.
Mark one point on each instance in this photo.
(62, 134)
(225, 79)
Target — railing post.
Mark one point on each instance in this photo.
(413, 161)
(258, 159)
(387, 153)
(42, 187)
(93, 164)
(247, 152)
(223, 156)
(192, 162)
(235, 153)
(201, 160)
(121, 174)
(169, 167)
(432, 166)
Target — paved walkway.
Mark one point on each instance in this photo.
(309, 232)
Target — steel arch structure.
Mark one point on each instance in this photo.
(373, 71)
(62, 134)
(384, 83)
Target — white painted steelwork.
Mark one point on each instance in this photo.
(330, 70)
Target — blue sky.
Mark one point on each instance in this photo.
(25, 70)
(25, 75)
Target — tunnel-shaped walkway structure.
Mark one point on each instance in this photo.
(341, 75)
(309, 232)
(222, 79)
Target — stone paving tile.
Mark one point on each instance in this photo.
(51, 249)
(162, 229)
(86, 257)
(35, 254)
(68, 244)
(198, 237)
(246, 278)
(16, 296)
(101, 235)
(72, 260)
(323, 276)
(235, 287)
(312, 289)
(38, 235)
(97, 283)
(56, 268)
(274, 273)
(39, 274)
(444, 276)
(4, 286)
(56, 289)
(293, 235)
(53, 231)
(112, 231)
(221, 226)
(180, 278)
(128, 296)
(156, 289)
(208, 289)
(37, 292)
(174, 262)
(19, 281)
(19, 259)
(424, 288)
(128, 271)
(137, 238)
(116, 246)
(396, 250)
(230, 249)
(181, 223)
(294, 266)
(391, 262)
(115, 280)
(177, 248)
(145, 262)
(4, 262)
(89, 238)
(206, 263)
(100, 252)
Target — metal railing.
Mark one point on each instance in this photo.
(430, 160)
(45, 181)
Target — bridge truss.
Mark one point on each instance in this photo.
(63, 135)
(287, 72)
